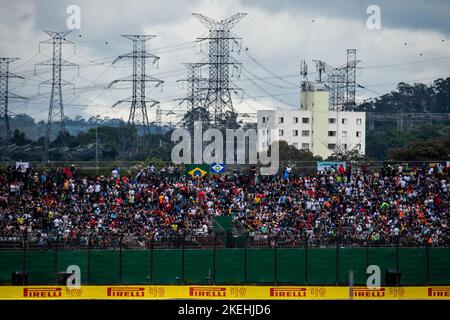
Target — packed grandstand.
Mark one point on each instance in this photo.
(356, 206)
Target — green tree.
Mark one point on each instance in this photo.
(290, 153)
(196, 114)
(435, 149)
(408, 98)
(19, 138)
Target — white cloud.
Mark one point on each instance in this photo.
(279, 40)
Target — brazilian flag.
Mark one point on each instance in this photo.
(197, 170)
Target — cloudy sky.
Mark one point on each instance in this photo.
(413, 45)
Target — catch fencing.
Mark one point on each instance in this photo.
(209, 260)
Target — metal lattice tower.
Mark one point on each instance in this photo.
(218, 97)
(5, 95)
(336, 80)
(341, 82)
(195, 86)
(331, 77)
(351, 79)
(56, 108)
(158, 119)
(139, 103)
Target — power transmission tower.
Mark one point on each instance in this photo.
(196, 89)
(195, 86)
(56, 108)
(218, 96)
(139, 103)
(5, 95)
(341, 82)
(158, 120)
(336, 81)
(350, 102)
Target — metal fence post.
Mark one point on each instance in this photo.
(337, 259)
(367, 252)
(56, 258)
(427, 261)
(306, 260)
(120, 257)
(275, 262)
(152, 243)
(245, 258)
(397, 261)
(214, 261)
(182, 262)
(24, 257)
(89, 259)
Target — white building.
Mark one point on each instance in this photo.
(313, 126)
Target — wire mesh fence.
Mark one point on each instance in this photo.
(195, 259)
(108, 240)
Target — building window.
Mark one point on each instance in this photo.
(305, 146)
(281, 120)
(305, 133)
(332, 133)
(295, 119)
(344, 121)
(305, 120)
(264, 119)
(281, 132)
(344, 146)
(358, 134)
(332, 120)
(359, 121)
(295, 145)
(295, 133)
(331, 146)
(344, 134)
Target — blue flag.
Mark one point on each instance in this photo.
(217, 168)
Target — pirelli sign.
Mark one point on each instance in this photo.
(439, 292)
(43, 292)
(282, 292)
(212, 292)
(192, 292)
(368, 292)
(121, 292)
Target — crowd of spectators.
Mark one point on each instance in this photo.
(352, 205)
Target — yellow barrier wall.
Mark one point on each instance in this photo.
(221, 292)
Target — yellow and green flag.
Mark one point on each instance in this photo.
(197, 170)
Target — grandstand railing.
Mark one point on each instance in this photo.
(189, 239)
